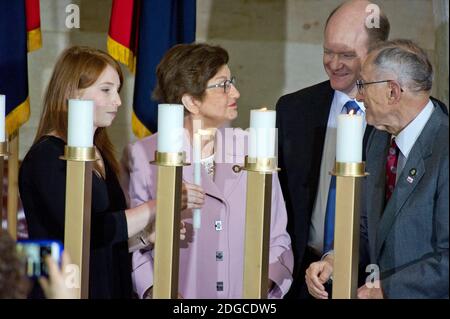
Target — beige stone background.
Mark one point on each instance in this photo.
(275, 47)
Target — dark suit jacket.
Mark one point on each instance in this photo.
(408, 238)
(302, 119)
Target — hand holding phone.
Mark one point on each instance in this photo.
(33, 253)
(56, 285)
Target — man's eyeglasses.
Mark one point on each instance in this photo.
(226, 85)
(360, 84)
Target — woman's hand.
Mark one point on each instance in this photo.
(150, 234)
(57, 285)
(192, 196)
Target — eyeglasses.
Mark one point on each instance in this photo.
(360, 84)
(226, 85)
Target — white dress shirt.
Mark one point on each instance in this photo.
(406, 139)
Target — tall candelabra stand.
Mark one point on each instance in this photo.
(347, 223)
(77, 229)
(13, 182)
(167, 243)
(257, 226)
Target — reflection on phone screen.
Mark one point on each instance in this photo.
(33, 255)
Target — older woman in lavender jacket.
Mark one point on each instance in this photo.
(212, 256)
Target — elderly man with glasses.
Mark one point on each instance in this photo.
(404, 221)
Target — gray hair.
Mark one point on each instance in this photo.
(408, 61)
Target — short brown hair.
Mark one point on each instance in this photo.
(186, 69)
(77, 68)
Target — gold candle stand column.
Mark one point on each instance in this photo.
(77, 228)
(346, 234)
(13, 184)
(168, 215)
(3, 154)
(257, 226)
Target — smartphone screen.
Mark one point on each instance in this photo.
(33, 252)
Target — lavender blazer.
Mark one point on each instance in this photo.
(199, 272)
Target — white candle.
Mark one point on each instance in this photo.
(197, 155)
(80, 132)
(349, 138)
(170, 128)
(2, 117)
(197, 152)
(262, 133)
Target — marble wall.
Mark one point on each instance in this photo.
(275, 47)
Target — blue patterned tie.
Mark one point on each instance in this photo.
(351, 105)
(328, 234)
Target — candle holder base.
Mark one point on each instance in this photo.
(170, 159)
(349, 169)
(4, 151)
(262, 165)
(78, 154)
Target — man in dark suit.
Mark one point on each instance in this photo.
(306, 122)
(404, 221)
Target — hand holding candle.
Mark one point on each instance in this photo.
(197, 156)
(349, 138)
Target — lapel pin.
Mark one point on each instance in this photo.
(236, 168)
(412, 172)
(409, 179)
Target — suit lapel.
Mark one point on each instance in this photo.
(226, 179)
(375, 182)
(208, 185)
(367, 132)
(315, 122)
(403, 189)
(407, 180)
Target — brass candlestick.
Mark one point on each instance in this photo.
(3, 154)
(168, 215)
(347, 223)
(13, 184)
(257, 226)
(77, 228)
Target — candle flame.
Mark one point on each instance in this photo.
(352, 112)
(263, 109)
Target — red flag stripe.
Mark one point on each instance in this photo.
(122, 25)
(33, 14)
